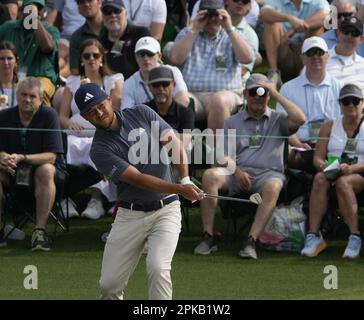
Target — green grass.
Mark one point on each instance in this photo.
(71, 270)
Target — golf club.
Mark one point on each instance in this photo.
(254, 198)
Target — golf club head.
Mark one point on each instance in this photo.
(255, 198)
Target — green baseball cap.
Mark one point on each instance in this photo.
(28, 2)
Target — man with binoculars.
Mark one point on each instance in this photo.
(210, 52)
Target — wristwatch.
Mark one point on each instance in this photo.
(191, 30)
(230, 30)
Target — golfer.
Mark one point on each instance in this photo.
(128, 149)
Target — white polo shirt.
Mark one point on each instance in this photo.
(346, 69)
(318, 102)
(144, 12)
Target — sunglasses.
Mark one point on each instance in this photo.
(108, 11)
(353, 33)
(315, 52)
(164, 84)
(348, 100)
(242, 1)
(344, 14)
(88, 56)
(144, 53)
(253, 92)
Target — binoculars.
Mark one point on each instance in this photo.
(212, 13)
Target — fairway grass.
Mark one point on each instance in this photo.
(72, 269)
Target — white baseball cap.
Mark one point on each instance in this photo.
(148, 44)
(314, 42)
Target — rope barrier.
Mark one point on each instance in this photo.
(193, 133)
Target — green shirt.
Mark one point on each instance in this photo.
(37, 63)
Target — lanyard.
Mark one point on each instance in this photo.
(134, 14)
(146, 91)
(29, 41)
(149, 96)
(357, 128)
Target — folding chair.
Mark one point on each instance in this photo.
(69, 180)
(19, 204)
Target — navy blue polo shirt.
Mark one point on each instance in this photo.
(25, 141)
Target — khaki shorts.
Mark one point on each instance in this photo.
(289, 60)
(260, 178)
(202, 99)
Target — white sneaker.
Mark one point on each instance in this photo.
(313, 245)
(16, 234)
(72, 211)
(352, 250)
(94, 210)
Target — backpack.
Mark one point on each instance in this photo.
(285, 229)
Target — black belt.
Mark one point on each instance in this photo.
(148, 206)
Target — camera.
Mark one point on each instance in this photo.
(212, 13)
(24, 175)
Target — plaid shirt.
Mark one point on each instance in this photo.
(211, 65)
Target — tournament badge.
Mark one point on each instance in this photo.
(117, 48)
(3, 101)
(220, 63)
(350, 146)
(255, 141)
(314, 130)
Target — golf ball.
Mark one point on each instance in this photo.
(260, 91)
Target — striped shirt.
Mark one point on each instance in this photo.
(212, 64)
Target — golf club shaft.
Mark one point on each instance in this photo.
(227, 198)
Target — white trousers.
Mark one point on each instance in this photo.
(129, 233)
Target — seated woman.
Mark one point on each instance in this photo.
(8, 74)
(342, 139)
(92, 68)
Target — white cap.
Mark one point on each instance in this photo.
(314, 42)
(148, 44)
